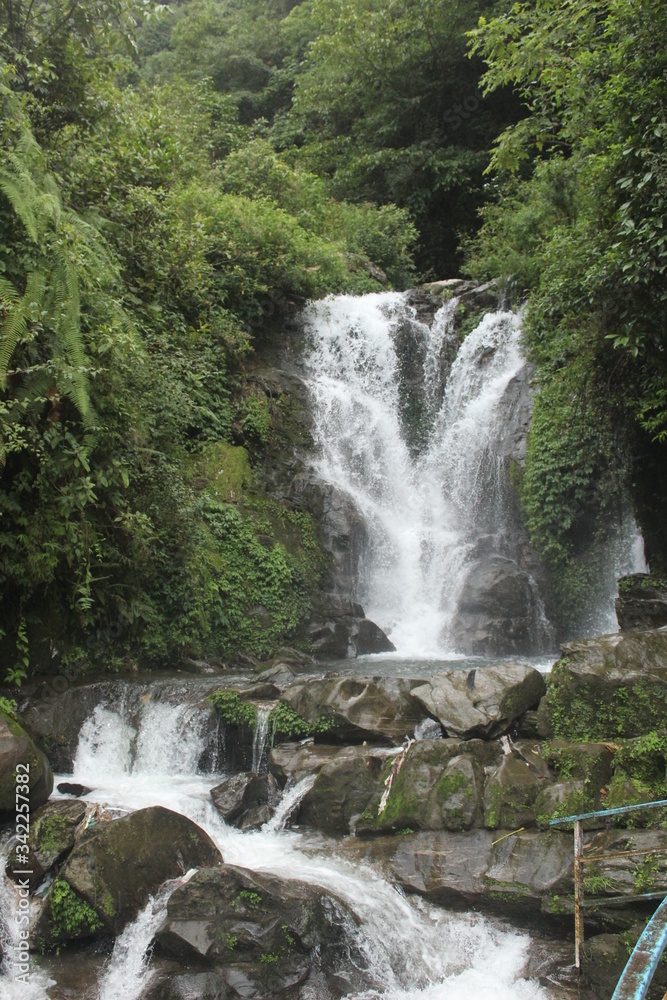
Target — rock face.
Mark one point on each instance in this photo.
(117, 865)
(439, 786)
(517, 876)
(343, 789)
(609, 687)
(355, 709)
(481, 703)
(497, 611)
(16, 751)
(246, 800)
(641, 602)
(262, 935)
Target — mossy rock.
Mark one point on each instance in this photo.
(567, 798)
(16, 751)
(53, 832)
(586, 761)
(608, 688)
(117, 865)
(510, 793)
(261, 933)
(438, 787)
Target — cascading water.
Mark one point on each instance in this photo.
(409, 950)
(260, 738)
(428, 505)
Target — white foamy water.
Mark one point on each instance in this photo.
(425, 511)
(16, 982)
(128, 972)
(408, 949)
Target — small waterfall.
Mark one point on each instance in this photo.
(428, 509)
(405, 948)
(260, 737)
(290, 802)
(20, 978)
(128, 973)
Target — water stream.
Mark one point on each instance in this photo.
(409, 950)
(426, 506)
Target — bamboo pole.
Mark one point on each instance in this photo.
(578, 892)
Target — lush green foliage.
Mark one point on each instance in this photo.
(579, 224)
(141, 251)
(71, 916)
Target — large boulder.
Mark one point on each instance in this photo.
(439, 786)
(343, 789)
(609, 687)
(352, 709)
(339, 630)
(485, 870)
(247, 799)
(641, 602)
(481, 703)
(292, 762)
(263, 935)
(53, 831)
(20, 758)
(116, 866)
(510, 792)
(498, 612)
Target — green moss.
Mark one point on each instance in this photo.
(53, 834)
(645, 874)
(8, 707)
(232, 941)
(71, 916)
(596, 714)
(232, 709)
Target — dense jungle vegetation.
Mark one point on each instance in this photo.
(173, 177)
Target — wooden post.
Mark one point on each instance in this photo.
(578, 892)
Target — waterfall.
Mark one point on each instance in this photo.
(405, 948)
(422, 453)
(260, 737)
(128, 973)
(291, 800)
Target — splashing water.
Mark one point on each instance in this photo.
(424, 511)
(290, 802)
(260, 738)
(128, 972)
(408, 949)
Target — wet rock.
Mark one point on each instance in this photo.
(485, 705)
(336, 633)
(343, 788)
(567, 797)
(53, 830)
(498, 612)
(353, 709)
(439, 787)
(462, 870)
(20, 756)
(510, 792)
(241, 794)
(609, 687)
(73, 788)
(263, 935)
(295, 761)
(54, 721)
(641, 602)
(116, 866)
